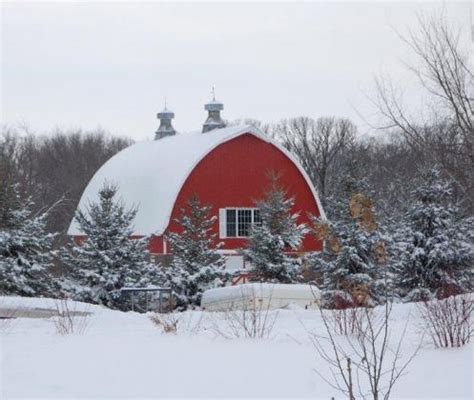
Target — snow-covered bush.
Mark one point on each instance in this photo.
(272, 238)
(26, 251)
(436, 254)
(448, 321)
(108, 259)
(197, 265)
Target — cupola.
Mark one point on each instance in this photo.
(213, 121)
(165, 128)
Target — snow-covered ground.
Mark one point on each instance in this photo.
(125, 355)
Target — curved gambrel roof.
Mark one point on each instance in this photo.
(149, 175)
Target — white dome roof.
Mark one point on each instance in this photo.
(150, 174)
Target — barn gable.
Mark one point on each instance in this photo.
(150, 175)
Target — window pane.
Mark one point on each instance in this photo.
(257, 220)
(231, 223)
(244, 220)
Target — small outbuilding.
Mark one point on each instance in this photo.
(261, 297)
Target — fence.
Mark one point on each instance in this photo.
(141, 299)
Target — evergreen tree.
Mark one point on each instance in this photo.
(196, 266)
(10, 202)
(435, 247)
(108, 259)
(272, 239)
(26, 251)
(351, 265)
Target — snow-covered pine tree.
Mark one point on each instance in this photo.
(196, 265)
(351, 265)
(9, 203)
(272, 238)
(26, 250)
(108, 259)
(436, 253)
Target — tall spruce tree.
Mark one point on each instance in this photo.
(436, 253)
(196, 264)
(352, 264)
(26, 250)
(277, 234)
(108, 259)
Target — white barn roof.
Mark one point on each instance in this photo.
(150, 174)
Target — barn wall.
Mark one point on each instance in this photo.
(235, 174)
(156, 245)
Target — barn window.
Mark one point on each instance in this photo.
(237, 222)
(231, 226)
(257, 220)
(244, 221)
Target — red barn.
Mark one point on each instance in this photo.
(226, 167)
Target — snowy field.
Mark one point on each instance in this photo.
(125, 355)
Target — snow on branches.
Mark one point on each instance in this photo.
(435, 247)
(26, 250)
(351, 264)
(197, 265)
(108, 259)
(272, 239)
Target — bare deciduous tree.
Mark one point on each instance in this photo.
(52, 168)
(316, 144)
(367, 361)
(443, 70)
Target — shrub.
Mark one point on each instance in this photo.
(168, 323)
(69, 320)
(448, 321)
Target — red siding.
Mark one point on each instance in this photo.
(235, 174)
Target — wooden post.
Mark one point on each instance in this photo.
(160, 309)
(349, 372)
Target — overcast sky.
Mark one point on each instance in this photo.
(112, 64)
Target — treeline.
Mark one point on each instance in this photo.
(51, 171)
(54, 170)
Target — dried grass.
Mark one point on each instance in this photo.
(69, 320)
(253, 319)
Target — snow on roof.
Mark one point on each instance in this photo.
(259, 290)
(264, 295)
(150, 174)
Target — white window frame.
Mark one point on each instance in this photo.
(223, 221)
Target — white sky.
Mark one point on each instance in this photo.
(111, 64)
